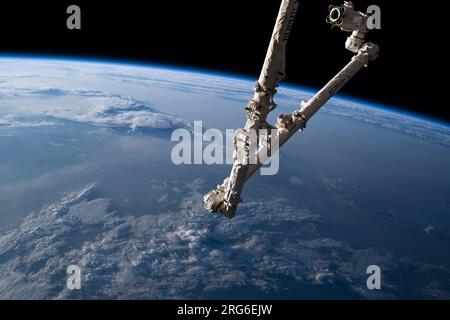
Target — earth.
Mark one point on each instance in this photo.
(87, 180)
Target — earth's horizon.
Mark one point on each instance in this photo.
(222, 74)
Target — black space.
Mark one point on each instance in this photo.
(232, 36)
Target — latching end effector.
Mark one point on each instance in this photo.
(349, 20)
(214, 201)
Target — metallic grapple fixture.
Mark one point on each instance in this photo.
(226, 197)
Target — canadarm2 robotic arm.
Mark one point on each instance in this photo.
(249, 141)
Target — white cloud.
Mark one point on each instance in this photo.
(86, 106)
(429, 229)
(296, 181)
(183, 254)
(15, 122)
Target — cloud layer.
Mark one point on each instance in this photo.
(85, 106)
(271, 250)
(63, 89)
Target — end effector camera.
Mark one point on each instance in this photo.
(349, 20)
